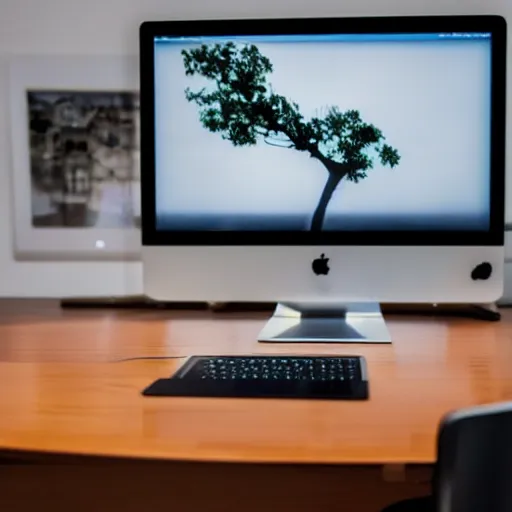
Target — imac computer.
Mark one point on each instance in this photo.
(327, 165)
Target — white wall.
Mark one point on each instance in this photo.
(95, 27)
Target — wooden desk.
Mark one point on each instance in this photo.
(63, 392)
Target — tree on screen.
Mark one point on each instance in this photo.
(243, 108)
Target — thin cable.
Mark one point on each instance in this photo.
(141, 358)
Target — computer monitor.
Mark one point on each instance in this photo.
(324, 160)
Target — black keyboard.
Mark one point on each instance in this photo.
(267, 376)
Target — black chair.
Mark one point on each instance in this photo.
(473, 472)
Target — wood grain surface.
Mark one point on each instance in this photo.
(65, 391)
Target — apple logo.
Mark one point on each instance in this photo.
(320, 265)
(482, 271)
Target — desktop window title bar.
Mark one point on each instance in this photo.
(295, 38)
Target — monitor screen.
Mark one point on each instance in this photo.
(324, 132)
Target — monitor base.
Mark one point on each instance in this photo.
(326, 323)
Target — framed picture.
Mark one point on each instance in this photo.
(76, 157)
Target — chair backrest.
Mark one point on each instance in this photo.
(474, 464)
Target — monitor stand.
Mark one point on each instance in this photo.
(326, 323)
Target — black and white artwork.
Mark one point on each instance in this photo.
(84, 158)
(74, 123)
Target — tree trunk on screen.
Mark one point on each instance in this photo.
(319, 215)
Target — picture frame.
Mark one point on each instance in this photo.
(75, 157)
